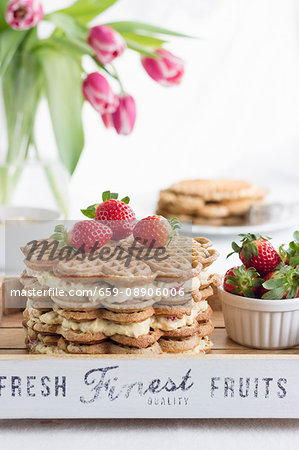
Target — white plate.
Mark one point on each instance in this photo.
(267, 227)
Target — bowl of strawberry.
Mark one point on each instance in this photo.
(260, 297)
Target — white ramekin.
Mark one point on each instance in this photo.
(265, 324)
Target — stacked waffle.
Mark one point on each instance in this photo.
(210, 202)
(125, 305)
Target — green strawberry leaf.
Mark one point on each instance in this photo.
(248, 293)
(292, 293)
(294, 261)
(275, 294)
(126, 200)
(59, 229)
(246, 254)
(236, 247)
(106, 196)
(114, 195)
(257, 282)
(90, 213)
(57, 236)
(296, 237)
(274, 283)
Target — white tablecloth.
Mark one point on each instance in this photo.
(150, 434)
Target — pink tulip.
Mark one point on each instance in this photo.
(107, 120)
(167, 70)
(99, 94)
(125, 115)
(106, 43)
(24, 14)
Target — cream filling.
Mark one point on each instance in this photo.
(169, 323)
(109, 328)
(120, 295)
(156, 291)
(106, 327)
(51, 318)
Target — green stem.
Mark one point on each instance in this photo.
(116, 76)
(60, 200)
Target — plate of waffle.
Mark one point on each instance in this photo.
(223, 207)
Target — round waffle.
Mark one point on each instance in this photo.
(140, 342)
(154, 349)
(187, 331)
(203, 317)
(202, 294)
(218, 190)
(43, 258)
(179, 345)
(112, 271)
(177, 310)
(75, 348)
(118, 317)
(176, 203)
(205, 328)
(82, 338)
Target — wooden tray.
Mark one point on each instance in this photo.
(232, 381)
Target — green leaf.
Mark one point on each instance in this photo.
(69, 25)
(114, 195)
(62, 74)
(9, 42)
(294, 261)
(126, 200)
(145, 41)
(59, 229)
(143, 28)
(248, 293)
(292, 293)
(106, 196)
(275, 294)
(141, 49)
(88, 213)
(3, 6)
(296, 237)
(274, 283)
(86, 10)
(57, 236)
(72, 45)
(236, 247)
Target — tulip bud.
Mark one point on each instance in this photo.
(167, 70)
(107, 120)
(125, 115)
(24, 14)
(106, 43)
(99, 94)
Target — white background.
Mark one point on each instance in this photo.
(236, 114)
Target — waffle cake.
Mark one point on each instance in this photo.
(128, 305)
(210, 202)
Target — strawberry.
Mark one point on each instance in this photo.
(86, 235)
(290, 256)
(117, 214)
(256, 251)
(282, 283)
(242, 281)
(155, 231)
